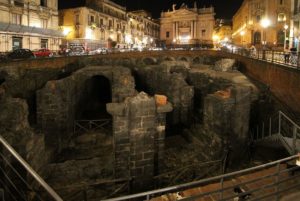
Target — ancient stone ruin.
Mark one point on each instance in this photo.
(111, 126)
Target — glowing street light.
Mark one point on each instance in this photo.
(265, 23)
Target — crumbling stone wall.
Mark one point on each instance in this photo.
(226, 96)
(15, 129)
(168, 79)
(138, 130)
(58, 100)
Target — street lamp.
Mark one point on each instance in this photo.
(265, 23)
(285, 30)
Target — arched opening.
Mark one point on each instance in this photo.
(280, 37)
(97, 92)
(2, 80)
(183, 59)
(257, 38)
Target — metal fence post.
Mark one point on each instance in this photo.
(270, 127)
(279, 123)
(294, 139)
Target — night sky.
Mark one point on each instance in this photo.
(223, 8)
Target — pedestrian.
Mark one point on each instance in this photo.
(252, 51)
(286, 56)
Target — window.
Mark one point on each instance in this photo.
(101, 21)
(258, 18)
(16, 43)
(110, 24)
(91, 19)
(77, 19)
(257, 38)
(44, 23)
(44, 3)
(280, 2)
(167, 34)
(203, 31)
(281, 17)
(16, 18)
(44, 43)
(280, 37)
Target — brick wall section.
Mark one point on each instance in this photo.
(229, 117)
(159, 80)
(58, 101)
(138, 138)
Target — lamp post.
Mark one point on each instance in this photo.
(285, 30)
(265, 23)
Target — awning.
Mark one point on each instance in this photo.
(5, 27)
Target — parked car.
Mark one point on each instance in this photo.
(99, 51)
(43, 53)
(20, 54)
(75, 51)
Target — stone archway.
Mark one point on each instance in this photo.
(59, 100)
(97, 93)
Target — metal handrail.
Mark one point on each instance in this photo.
(290, 59)
(292, 149)
(200, 182)
(294, 124)
(31, 171)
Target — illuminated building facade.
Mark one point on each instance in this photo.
(262, 23)
(29, 24)
(295, 25)
(187, 26)
(222, 31)
(100, 23)
(143, 31)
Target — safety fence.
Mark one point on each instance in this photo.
(18, 180)
(289, 59)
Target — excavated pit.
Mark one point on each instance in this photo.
(213, 108)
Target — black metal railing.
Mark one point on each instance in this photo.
(281, 127)
(18, 180)
(289, 59)
(277, 178)
(83, 126)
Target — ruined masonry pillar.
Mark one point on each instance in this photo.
(138, 138)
